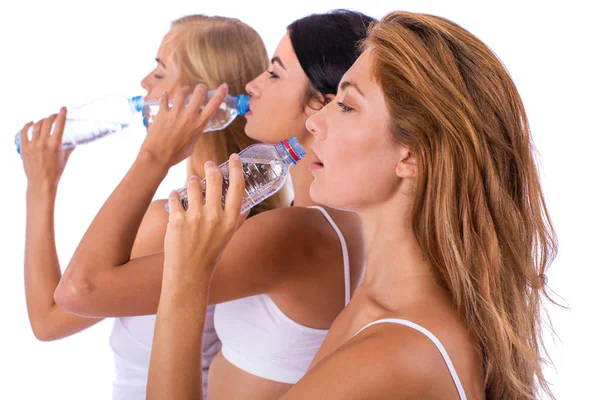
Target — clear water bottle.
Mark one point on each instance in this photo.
(112, 113)
(106, 115)
(265, 169)
(231, 107)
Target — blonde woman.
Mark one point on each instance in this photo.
(428, 141)
(197, 49)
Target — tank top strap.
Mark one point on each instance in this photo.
(435, 341)
(344, 252)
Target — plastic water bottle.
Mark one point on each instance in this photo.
(265, 168)
(231, 107)
(112, 113)
(106, 115)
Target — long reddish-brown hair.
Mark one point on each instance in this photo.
(479, 213)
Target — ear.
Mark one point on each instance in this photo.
(317, 102)
(407, 166)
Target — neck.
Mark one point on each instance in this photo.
(394, 258)
(205, 149)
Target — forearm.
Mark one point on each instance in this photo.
(175, 365)
(42, 270)
(109, 239)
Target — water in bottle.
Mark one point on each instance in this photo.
(231, 107)
(112, 113)
(104, 116)
(265, 168)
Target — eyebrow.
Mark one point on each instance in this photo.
(278, 61)
(347, 84)
(159, 61)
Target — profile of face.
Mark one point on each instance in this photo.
(163, 78)
(278, 108)
(359, 165)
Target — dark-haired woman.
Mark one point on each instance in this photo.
(287, 273)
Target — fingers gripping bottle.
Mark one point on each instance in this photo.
(265, 168)
(112, 113)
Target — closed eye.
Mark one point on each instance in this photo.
(273, 75)
(344, 107)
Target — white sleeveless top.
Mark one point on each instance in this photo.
(434, 339)
(260, 339)
(131, 342)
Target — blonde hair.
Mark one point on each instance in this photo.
(479, 214)
(213, 50)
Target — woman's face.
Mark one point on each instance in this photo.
(357, 158)
(277, 106)
(163, 78)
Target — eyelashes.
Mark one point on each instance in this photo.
(344, 107)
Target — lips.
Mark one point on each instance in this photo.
(317, 164)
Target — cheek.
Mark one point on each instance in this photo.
(276, 116)
(354, 182)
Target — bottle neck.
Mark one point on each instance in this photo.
(290, 150)
(242, 104)
(284, 154)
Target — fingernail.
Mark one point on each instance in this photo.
(210, 164)
(194, 178)
(235, 156)
(225, 86)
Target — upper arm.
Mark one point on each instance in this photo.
(150, 237)
(263, 253)
(383, 364)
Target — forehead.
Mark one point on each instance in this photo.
(285, 51)
(167, 46)
(360, 74)
(360, 71)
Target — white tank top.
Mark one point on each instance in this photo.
(260, 339)
(434, 339)
(131, 342)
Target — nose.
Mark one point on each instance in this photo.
(315, 124)
(253, 87)
(146, 83)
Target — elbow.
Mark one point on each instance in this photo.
(45, 327)
(74, 295)
(43, 333)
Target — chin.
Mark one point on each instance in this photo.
(320, 195)
(253, 132)
(329, 197)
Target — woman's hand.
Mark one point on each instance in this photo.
(44, 159)
(196, 238)
(172, 135)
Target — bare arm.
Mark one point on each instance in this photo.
(42, 272)
(44, 161)
(247, 267)
(194, 241)
(109, 239)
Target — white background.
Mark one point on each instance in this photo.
(60, 52)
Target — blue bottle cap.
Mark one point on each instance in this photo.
(243, 104)
(137, 102)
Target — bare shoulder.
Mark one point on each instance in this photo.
(384, 361)
(299, 228)
(427, 349)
